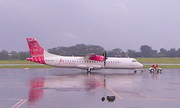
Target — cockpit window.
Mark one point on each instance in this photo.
(134, 61)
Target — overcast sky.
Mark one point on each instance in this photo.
(125, 24)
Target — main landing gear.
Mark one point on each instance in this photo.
(135, 71)
(89, 70)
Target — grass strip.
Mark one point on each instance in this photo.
(29, 66)
(164, 66)
(15, 62)
(159, 60)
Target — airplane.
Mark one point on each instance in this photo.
(89, 62)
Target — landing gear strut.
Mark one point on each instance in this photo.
(89, 70)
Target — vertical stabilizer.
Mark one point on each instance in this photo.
(38, 54)
(35, 49)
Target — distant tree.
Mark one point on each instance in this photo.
(77, 50)
(171, 53)
(147, 51)
(23, 55)
(162, 52)
(115, 52)
(178, 52)
(82, 49)
(123, 54)
(4, 55)
(95, 49)
(14, 55)
(154, 53)
(138, 54)
(131, 53)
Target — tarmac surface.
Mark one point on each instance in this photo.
(73, 88)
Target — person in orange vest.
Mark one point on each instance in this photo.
(153, 66)
(156, 67)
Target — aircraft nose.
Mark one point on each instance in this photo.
(140, 65)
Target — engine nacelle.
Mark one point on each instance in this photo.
(97, 58)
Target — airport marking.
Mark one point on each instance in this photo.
(19, 103)
(108, 87)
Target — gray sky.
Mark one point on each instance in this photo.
(125, 24)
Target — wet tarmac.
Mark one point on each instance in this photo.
(73, 88)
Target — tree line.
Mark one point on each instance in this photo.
(82, 49)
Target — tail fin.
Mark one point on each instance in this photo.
(35, 49)
(38, 54)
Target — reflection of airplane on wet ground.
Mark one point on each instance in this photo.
(88, 62)
(81, 82)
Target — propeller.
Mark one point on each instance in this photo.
(105, 57)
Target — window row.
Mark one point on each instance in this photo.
(81, 61)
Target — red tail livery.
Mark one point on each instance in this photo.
(36, 51)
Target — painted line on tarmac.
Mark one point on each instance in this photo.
(18, 104)
(108, 87)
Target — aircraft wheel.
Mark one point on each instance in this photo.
(152, 71)
(159, 71)
(88, 71)
(103, 98)
(135, 71)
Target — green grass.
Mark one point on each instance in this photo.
(159, 60)
(25, 66)
(164, 66)
(15, 62)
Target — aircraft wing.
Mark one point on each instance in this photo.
(92, 56)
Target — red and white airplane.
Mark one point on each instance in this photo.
(88, 62)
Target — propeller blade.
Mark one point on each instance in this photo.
(105, 57)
